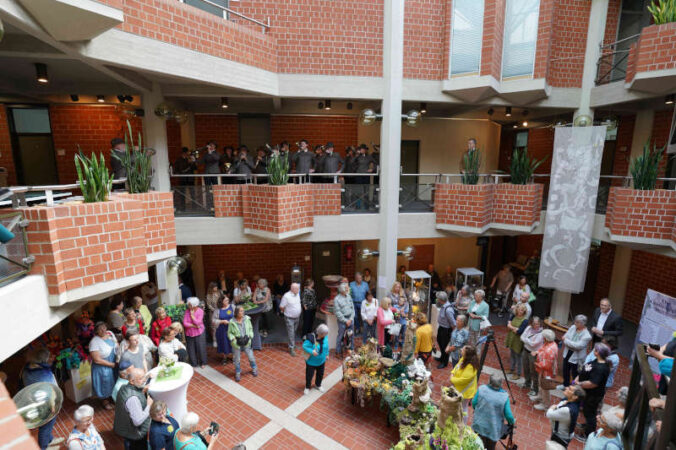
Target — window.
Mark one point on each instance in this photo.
(521, 139)
(31, 120)
(204, 6)
(467, 34)
(521, 32)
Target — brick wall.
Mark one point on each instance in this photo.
(158, 220)
(227, 200)
(277, 209)
(218, 127)
(493, 36)
(341, 130)
(6, 155)
(569, 43)
(543, 50)
(326, 199)
(631, 63)
(641, 214)
(266, 260)
(90, 127)
(464, 205)
(12, 427)
(612, 21)
(655, 48)
(173, 140)
(605, 271)
(647, 271)
(81, 244)
(424, 34)
(518, 205)
(348, 268)
(541, 145)
(323, 38)
(660, 135)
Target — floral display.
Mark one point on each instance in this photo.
(176, 312)
(166, 363)
(71, 355)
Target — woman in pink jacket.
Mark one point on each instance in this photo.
(385, 319)
(193, 321)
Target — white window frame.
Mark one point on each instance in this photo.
(450, 47)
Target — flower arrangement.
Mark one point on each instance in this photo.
(176, 312)
(166, 364)
(71, 356)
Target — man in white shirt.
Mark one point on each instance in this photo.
(369, 308)
(290, 306)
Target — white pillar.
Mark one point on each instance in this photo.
(155, 129)
(390, 142)
(595, 33)
(643, 129)
(167, 284)
(560, 306)
(619, 278)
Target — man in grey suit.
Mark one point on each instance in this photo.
(363, 163)
(243, 166)
(303, 160)
(212, 163)
(333, 162)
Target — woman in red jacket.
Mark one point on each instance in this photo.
(161, 322)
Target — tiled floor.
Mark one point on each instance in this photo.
(281, 383)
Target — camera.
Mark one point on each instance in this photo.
(213, 428)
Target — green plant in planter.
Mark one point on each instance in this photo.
(93, 177)
(136, 163)
(664, 11)
(644, 167)
(523, 166)
(471, 162)
(278, 170)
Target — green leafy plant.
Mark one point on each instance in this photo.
(278, 170)
(136, 163)
(664, 11)
(644, 167)
(93, 177)
(523, 166)
(471, 162)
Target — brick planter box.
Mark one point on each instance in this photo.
(641, 217)
(278, 212)
(463, 208)
(650, 57)
(227, 200)
(159, 225)
(517, 207)
(88, 251)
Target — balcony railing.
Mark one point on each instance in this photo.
(15, 261)
(220, 10)
(612, 64)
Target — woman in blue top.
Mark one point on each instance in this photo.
(477, 312)
(606, 436)
(188, 438)
(221, 320)
(316, 350)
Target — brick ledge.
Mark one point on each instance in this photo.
(154, 258)
(647, 242)
(278, 236)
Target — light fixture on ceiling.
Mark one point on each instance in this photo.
(582, 121)
(349, 105)
(327, 104)
(669, 99)
(366, 254)
(525, 123)
(423, 108)
(490, 111)
(369, 117)
(129, 98)
(41, 73)
(515, 126)
(100, 98)
(120, 98)
(508, 111)
(125, 98)
(75, 97)
(525, 112)
(224, 102)
(412, 118)
(320, 105)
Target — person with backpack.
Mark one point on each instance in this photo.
(315, 352)
(563, 415)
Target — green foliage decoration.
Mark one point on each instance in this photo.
(278, 170)
(645, 166)
(471, 162)
(663, 11)
(523, 166)
(136, 163)
(93, 177)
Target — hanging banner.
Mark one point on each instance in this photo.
(571, 206)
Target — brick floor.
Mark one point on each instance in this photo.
(281, 382)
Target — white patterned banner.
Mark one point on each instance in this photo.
(571, 206)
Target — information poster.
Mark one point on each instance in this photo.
(658, 321)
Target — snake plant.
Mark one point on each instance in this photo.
(471, 163)
(136, 163)
(664, 11)
(523, 166)
(93, 177)
(278, 170)
(645, 166)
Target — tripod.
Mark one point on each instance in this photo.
(490, 339)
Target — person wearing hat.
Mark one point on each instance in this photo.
(123, 369)
(333, 162)
(363, 163)
(118, 147)
(303, 160)
(243, 165)
(212, 162)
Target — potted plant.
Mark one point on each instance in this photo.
(664, 11)
(136, 162)
(631, 213)
(472, 163)
(278, 210)
(93, 177)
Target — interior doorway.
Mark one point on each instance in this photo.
(32, 145)
(254, 131)
(325, 261)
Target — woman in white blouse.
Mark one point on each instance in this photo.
(170, 346)
(520, 288)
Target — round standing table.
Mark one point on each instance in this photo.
(256, 314)
(172, 392)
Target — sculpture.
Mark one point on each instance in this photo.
(450, 406)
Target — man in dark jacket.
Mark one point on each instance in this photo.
(333, 162)
(303, 160)
(118, 147)
(243, 165)
(363, 163)
(606, 322)
(212, 162)
(132, 412)
(184, 165)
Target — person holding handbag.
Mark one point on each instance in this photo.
(545, 366)
(240, 333)
(315, 352)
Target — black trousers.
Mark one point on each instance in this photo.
(443, 338)
(590, 410)
(308, 320)
(488, 444)
(569, 370)
(310, 372)
(141, 444)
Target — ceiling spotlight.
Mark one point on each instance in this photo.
(669, 100)
(583, 121)
(508, 111)
(320, 105)
(525, 123)
(525, 112)
(515, 126)
(412, 118)
(75, 97)
(349, 105)
(560, 123)
(120, 98)
(100, 98)
(423, 108)
(224, 102)
(41, 73)
(129, 98)
(327, 105)
(490, 111)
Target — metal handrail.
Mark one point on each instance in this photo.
(608, 59)
(266, 26)
(19, 199)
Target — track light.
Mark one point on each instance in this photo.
(75, 97)
(224, 102)
(120, 98)
(320, 105)
(525, 123)
(508, 111)
(100, 98)
(41, 73)
(129, 98)
(368, 117)
(423, 108)
(669, 100)
(349, 105)
(490, 111)
(515, 126)
(412, 118)
(327, 104)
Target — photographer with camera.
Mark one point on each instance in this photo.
(240, 333)
(188, 437)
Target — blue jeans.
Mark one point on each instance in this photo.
(368, 331)
(45, 434)
(357, 315)
(341, 331)
(237, 355)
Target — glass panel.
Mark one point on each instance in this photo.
(522, 139)
(521, 32)
(359, 198)
(468, 21)
(31, 120)
(207, 7)
(193, 200)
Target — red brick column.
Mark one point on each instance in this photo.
(545, 39)
(493, 36)
(227, 200)
(517, 205)
(158, 223)
(12, 428)
(464, 208)
(641, 216)
(278, 212)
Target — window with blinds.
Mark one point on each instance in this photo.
(466, 36)
(521, 32)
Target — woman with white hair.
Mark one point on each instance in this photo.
(622, 394)
(84, 436)
(545, 365)
(478, 312)
(575, 343)
(607, 436)
(343, 308)
(193, 321)
(315, 350)
(188, 436)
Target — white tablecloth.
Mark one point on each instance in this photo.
(173, 392)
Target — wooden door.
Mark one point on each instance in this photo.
(424, 256)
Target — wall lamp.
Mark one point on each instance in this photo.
(224, 102)
(327, 104)
(366, 254)
(369, 117)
